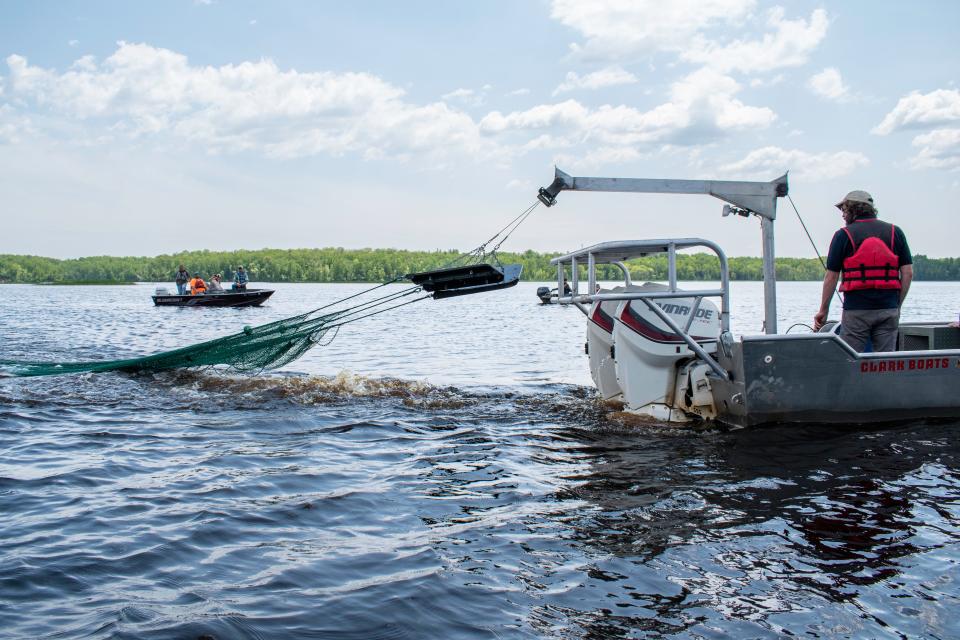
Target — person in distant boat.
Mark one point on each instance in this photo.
(197, 286)
(183, 277)
(214, 284)
(874, 261)
(240, 280)
(566, 288)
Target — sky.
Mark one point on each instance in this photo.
(145, 128)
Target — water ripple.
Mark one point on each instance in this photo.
(326, 504)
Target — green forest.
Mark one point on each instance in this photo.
(379, 265)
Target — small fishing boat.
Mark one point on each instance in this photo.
(248, 298)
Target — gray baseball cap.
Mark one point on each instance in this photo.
(857, 196)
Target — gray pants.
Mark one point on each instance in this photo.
(879, 325)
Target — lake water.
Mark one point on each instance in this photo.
(443, 471)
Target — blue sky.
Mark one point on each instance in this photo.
(147, 128)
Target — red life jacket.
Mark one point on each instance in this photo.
(874, 264)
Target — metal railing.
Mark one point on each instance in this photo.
(617, 253)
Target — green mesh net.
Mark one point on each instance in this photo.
(254, 349)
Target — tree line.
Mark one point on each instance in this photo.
(379, 265)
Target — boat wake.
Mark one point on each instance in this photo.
(214, 391)
(312, 390)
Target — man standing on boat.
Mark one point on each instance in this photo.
(240, 279)
(183, 277)
(877, 268)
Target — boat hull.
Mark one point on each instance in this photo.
(248, 298)
(818, 378)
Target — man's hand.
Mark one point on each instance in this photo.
(819, 320)
(829, 286)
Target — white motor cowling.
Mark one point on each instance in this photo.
(600, 341)
(647, 351)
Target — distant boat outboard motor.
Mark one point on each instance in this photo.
(650, 356)
(545, 294)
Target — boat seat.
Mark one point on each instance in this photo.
(928, 336)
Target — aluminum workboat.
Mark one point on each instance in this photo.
(668, 353)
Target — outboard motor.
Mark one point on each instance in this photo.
(600, 341)
(544, 294)
(649, 354)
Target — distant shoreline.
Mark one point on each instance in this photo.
(334, 264)
(76, 282)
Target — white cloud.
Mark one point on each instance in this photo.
(708, 97)
(790, 45)
(539, 117)
(829, 84)
(618, 28)
(519, 92)
(922, 111)
(85, 63)
(694, 30)
(73, 43)
(12, 125)
(767, 82)
(939, 149)
(458, 93)
(609, 77)
(602, 156)
(702, 107)
(468, 97)
(547, 141)
(772, 161)
(141, 90)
